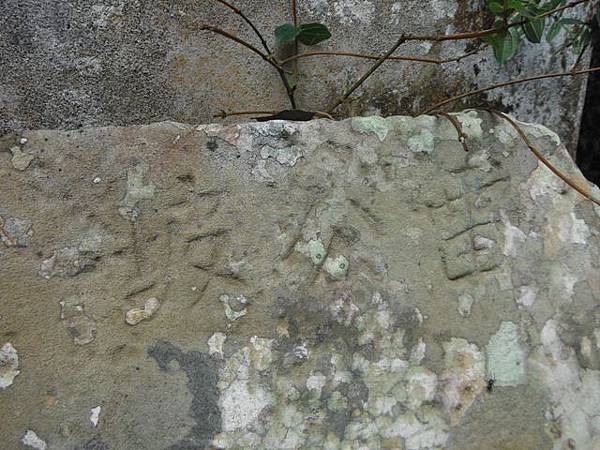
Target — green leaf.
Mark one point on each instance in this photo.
(313, 33)
(552, 4)
(582, 41)
(505, 45)
(496, 6)
(286, 33)
(570, 21)
(554, 30)
(518, 5)
(534, 30)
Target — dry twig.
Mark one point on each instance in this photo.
(543, 159)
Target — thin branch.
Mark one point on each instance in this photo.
(462, 137)
(295, 20)
(249, 22)
(267, 57)
(544, 160)
(376, 57)
(362, 79)
(508, 83)
(249, 46)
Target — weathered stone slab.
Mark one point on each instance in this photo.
(358, 284)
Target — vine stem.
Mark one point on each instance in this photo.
(267, 57)
(249, 22)
(508, 83)
(573, 184)
(376, 57)
(362, 79)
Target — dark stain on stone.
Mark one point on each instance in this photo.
(96, 443)
(212, 145)
(202, 373)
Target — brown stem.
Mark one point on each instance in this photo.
(249, 46)
(376, 57)
(543, 159)
(270, 58)
(362, 79)
(295, 20)
(508, 83)
(267, 57)
(249, 22)
(462, 137)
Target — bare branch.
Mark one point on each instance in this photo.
(295, 20)
(508, 83)
(249, 22)
(376, 57)
(462, 137)
(267, 57)
(362, 79)
(544, 160)
(249, 46)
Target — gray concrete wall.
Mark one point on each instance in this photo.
(73, 63)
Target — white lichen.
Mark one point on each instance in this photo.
(234, 306)
(215, 344)
(9, 365)
(465, 302)
(31, 439)
(95, 415)
(337, 268)
(136, 315)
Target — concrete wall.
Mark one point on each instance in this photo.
(73, 63)
(325, 285)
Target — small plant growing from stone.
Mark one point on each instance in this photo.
(514, 23)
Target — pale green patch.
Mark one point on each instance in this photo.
(470, 123)
(372, 124)
(287, 156)
(465, 302)
(20, 160)
(231, 313)
(423, 142)
(506, 357)
(314, 249)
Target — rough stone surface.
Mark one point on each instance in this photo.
(74, 63)
(364, 284)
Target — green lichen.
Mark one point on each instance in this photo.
(314, 249)
(421, 142)
(506, 356)
(372, 124)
